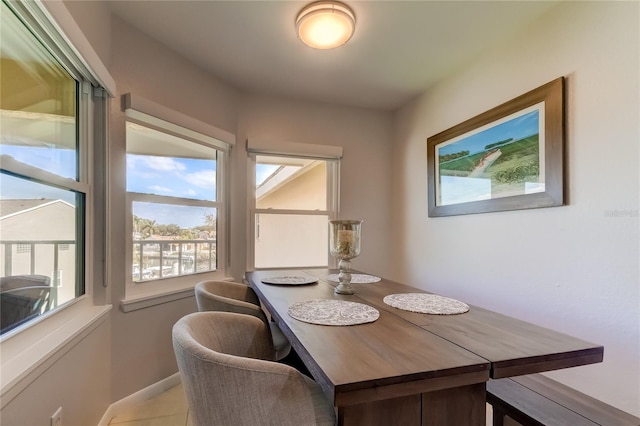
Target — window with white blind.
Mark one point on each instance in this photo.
(176, 203)
(293, 198)
(49, 113)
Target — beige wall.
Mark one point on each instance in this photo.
(574, 268)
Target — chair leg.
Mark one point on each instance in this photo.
(498, 416)
(293, 360)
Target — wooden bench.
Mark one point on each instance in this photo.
(536, 400)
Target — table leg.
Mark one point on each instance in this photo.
(461, 406)
(396, 411)
(456, 406)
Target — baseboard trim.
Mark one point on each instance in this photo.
(138, 397)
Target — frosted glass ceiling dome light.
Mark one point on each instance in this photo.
(325, 24)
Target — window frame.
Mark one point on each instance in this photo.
(146, 113)
(82, 185)
(332, 194)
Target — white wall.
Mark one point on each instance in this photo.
(77, 380)
(573, 268)
(94, 19)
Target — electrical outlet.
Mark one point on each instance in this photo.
(56, 418)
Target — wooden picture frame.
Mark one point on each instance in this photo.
(508, 158)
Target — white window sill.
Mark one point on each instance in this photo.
(29, 352)
(154, 293)
(146, 301)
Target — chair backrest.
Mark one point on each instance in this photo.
(226, 381)
(227, 296)
(18, 281)
(19, 305)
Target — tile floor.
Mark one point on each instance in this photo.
(167, 409)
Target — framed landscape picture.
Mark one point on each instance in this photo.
(508, 158)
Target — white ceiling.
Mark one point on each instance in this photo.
(400, 48)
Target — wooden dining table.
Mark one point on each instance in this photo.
(408, 368)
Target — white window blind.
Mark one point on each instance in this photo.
(167, 120)
(270, 147)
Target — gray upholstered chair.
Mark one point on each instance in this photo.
(227, 296)
(229, 379)
(24, 297)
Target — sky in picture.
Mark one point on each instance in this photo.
(263, 171)
(20, 189)
(61, 162)
(516, 128)
(174, 177)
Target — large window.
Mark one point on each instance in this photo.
(294, 198)
(45, 187)
(175, 201)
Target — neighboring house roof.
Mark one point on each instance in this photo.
(17, 206)
(282, 176)
(39, 220)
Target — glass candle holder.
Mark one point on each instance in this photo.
(344, 244)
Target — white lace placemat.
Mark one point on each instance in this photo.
(426, 303)
(356, 278)
(290, 280)
(333, 312)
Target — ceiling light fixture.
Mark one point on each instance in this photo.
(325, 24)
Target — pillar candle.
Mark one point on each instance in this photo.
(346, 244)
